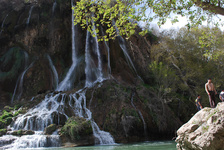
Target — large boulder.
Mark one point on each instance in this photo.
(205, 130)
(77, 132)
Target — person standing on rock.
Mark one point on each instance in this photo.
(210, 90)
(198, 103)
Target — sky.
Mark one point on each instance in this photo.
(182, 22)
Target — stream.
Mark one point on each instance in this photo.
(155, 145)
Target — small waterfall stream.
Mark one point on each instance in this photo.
(97, 50)
(19, 84)
(30, 12)
(67, 83)
(54, 6)
(55, 74)
(90, 66)
(108, 53)
(140, 114)
(2, 26)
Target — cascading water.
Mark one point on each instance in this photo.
(89, 69)
(19, 84)
(101, 137)
(141, 116)
(67, 83)
(2, 26)
(108, 53)
(52, 110)
(55, 74)
(30, 12)
(54, 6)
(121, 42)
(49, 111)
(93, 74)
(97, 50)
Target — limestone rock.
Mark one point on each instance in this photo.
(204, 131)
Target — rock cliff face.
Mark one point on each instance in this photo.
(204, 131)
(36, 54)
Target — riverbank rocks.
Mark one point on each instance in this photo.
(204, 131)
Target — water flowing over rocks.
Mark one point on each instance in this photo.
(204, 131)
(55, 75)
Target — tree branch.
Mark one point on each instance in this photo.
(206, 5)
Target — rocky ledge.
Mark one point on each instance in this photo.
(204, 131)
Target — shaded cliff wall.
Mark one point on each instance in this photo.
(40, 28)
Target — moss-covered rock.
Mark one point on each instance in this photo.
(22, 132)
(78, 131)
(5, 119)
(50, 129)
(3, 132)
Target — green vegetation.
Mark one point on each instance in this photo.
(181, 65)
(76, 127)
(124, 15)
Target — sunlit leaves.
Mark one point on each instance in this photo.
(114, 16)
(120, 17)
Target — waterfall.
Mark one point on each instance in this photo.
(108, 53)
(54, 72)
(30, 12)
(33, 141)
(97, 50)
(93, 74)
(2, 26)
(140, 114)
(52, 111)
(101, 137)
(121, 42)
(89, 68)
(19, 82)
(44, 114)
(67, 83)
(54, 6)
(53, 108)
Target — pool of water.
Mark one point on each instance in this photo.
(161, 145)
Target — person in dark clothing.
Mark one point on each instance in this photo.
(210, 90)
(198, 103)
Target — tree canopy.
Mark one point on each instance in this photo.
(181, 66)
(121, 17)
